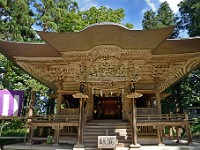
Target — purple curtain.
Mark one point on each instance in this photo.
(11, 102)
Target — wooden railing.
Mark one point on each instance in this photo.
(161, 117)
(70, 111)
(147, 123)
(55, 118)
(146, 111)
(68, 124)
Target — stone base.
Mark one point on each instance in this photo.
(132, 146)
(55, 144)
(79, 147)
(76, 148)
(161, 144)
(121, 148)
(28, 143)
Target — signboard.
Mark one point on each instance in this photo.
(107, 142)
(10, 102)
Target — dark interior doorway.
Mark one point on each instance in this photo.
(107, 108)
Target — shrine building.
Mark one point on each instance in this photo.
(108, 80)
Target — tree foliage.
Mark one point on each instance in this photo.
(164, 17)
(185, 92)
(65, 16)
(16, 20)
(103, 14)
(16, 25)
(190, 20)
(190, 10)
(57, 15)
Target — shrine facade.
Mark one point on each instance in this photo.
(105, 63)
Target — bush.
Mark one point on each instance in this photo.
(195, 127)
(13, 128)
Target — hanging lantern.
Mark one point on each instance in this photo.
(132, 87)
(82, 88)
(101, 93)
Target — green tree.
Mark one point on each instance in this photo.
(65, 16)
(150, 20)
(180, 93)
(164, 17)
(16, 20)
(103, 14)
(57, 15)
(190, 21)
(190, 10)
(16, 25)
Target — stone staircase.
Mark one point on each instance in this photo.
(95, 128)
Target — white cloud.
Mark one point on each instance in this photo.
(173, 4)
(86, 4)
(151, 4)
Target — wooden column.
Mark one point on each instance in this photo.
(134, 144)
(59, 99)
(30, 115)
(158, 104)
(134, 123)
(31, 104)
(159, 132)
(187, 129)
(56, 134)
(80, 122)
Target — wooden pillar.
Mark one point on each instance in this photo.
(30, 115)
(83, 120)
(158, 104)
(31, 104)
(187, 128)
(134, 123)
(134, 144)
(59, 99)
(80, 123)
(56, 134)
(159, 131)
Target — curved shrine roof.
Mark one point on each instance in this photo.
(102, 34)
(107, 34)
(27, 49)
(106, 49)
(178, 46)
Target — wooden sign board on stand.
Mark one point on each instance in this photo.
(107, 142)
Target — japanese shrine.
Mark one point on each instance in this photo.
(109, 80)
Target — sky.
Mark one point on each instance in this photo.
(134, 9)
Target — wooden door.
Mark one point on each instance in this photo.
(109, 108)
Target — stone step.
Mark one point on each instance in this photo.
(96, 128)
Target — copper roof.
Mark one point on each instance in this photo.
(107, 34)
(178, 46)
(27, 49)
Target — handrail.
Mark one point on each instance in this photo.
(55, 118)
(42, 117)
(163, 117)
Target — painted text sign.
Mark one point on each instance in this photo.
(107, 142)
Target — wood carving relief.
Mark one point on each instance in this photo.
(111, 64)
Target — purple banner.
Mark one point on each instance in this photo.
(11, 102)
